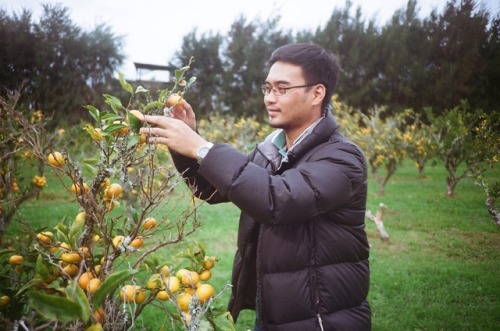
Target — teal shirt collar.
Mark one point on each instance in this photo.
(280, 142)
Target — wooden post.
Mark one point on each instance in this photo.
(378, 219)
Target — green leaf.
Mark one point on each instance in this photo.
(135, 123)
(179, 73)
(113, 102)
(153, 105)
(114, 128)
(110, 284)
(75, 293)
(141, 89)
(126, 86)
(76, 229)
(53, 307)
(224, 322)
(63, 236)
(94, 112)
(111, 117)
(191, 81)
(41, 269)
(33, 282)
(133, 140)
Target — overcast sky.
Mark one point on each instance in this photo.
(153, 30)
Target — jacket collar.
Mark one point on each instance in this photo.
(323, 130)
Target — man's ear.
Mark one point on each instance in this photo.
(319, 93)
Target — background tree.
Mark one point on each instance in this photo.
(245, 61)
(64, 66)
(456, 64)
(353, 40)
(468, 142)
(207, 67)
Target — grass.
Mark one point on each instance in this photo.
(438, 271)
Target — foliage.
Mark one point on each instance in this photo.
(381, 139)
(100, 267)
(492, 193)
(233, 71)
(420, 146)
(243, 133)
(64, 66)
(466, 137)
(16, 135)
(409, 62)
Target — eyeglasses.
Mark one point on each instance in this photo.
(277, 91)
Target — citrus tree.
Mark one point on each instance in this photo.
(420, 146)
(243, 133)
(19, 183)
(99, 269)
(468, 142)
(383, 143)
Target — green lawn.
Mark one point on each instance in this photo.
(438, 271)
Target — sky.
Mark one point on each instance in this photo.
(152, 30)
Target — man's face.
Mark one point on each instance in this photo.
(298, 108)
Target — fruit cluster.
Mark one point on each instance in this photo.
(39, 181)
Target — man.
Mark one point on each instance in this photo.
(302, 258)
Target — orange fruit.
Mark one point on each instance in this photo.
(123, 131)
(105, 183)
(172, 284)
(189, 290)
(84, 279)
(93, 285)
(174, 100)
(137, 242)
(56, 159)
(205, 275)
(98, 315)
(187, 317)
(117, 241)
(109, 205)
(16, 259)
(132, 293)
(190, 278)
(154, 283)
(71, 257)
(181, 273)
(208, 262)
(65, 246)
(45, 236)
(162, 295)
(204, 292)
(165, 271)
(76, 188)
(114, 191)
(183, 301)
(84, 252)
(71, 270)
(150, 223)
(4, 301)
(80, 217)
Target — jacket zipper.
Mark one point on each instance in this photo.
(313, 277)
(320, 321)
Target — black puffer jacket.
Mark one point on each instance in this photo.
(302, 248)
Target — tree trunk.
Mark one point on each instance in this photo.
(451, 183)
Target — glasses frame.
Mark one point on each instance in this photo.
(279, 91)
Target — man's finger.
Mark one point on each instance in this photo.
(158, 120)
(153, 131)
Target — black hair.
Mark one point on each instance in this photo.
(318, 65)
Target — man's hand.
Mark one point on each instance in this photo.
(184, 112)
(176, 132)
